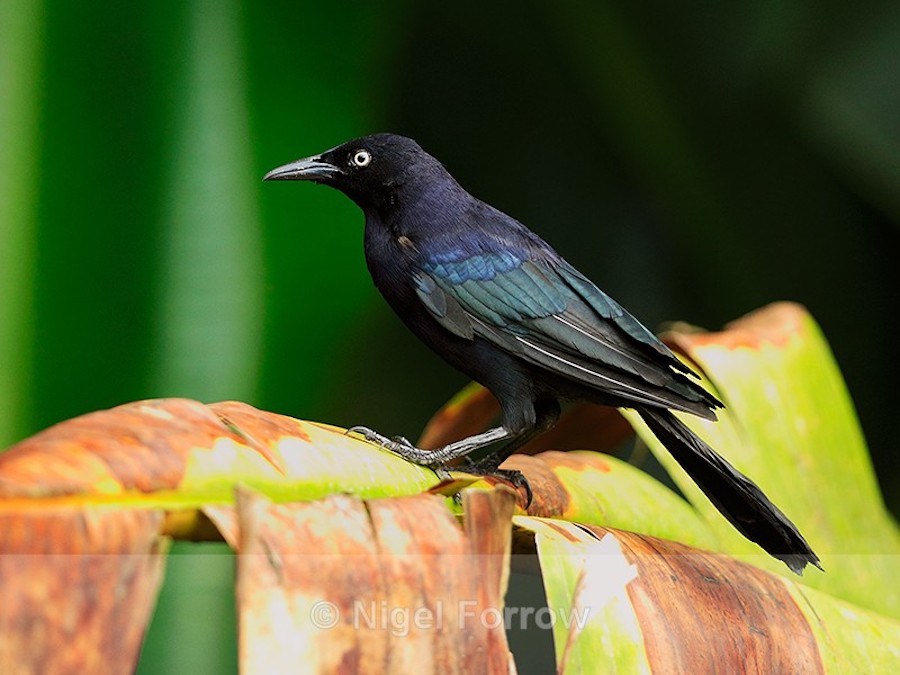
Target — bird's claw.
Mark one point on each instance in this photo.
(374, 437)
(442, 472)
(368, 434)
(518, 480)
(515, 478)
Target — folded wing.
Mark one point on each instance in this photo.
(553, 317)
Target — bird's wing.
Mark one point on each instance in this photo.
(550, 315)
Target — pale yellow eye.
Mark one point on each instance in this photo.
(361, 158)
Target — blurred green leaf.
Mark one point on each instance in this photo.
(209, 325)
(20, 77)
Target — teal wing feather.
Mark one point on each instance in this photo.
(553, 317)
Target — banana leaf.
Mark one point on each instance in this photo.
(333, 529)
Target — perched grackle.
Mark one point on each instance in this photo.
(499, 304)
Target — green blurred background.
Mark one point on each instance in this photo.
(698, 160)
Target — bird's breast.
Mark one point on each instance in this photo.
(390, 262)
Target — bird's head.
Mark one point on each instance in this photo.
(372, 170)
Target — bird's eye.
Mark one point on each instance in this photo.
(361, 158)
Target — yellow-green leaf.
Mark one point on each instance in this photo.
(790, 425)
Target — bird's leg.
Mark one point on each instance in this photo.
(439, 456)
(547, 414)
(490, 466)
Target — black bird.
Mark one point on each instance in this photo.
(499, 304)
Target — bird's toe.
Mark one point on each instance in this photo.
(370, 435)
(515, 478)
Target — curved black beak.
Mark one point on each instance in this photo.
(311, 168)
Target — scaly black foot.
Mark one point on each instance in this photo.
(489, 469)
(438, 456)
(399, 446)
(443, 473)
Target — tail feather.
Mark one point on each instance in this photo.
(737, 497)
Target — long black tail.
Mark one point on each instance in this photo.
(736, 496)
